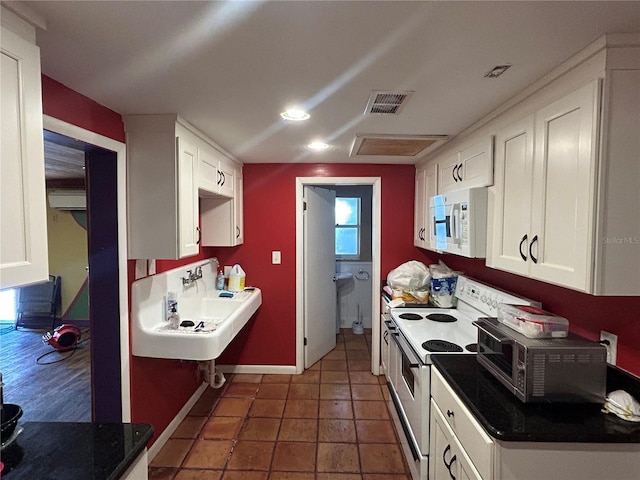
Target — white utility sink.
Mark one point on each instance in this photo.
(222, 318)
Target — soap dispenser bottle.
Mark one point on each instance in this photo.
(174, 318)
(220, 280)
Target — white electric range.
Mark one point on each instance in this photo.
(411, 334)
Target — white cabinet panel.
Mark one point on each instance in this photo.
(469, 168)
(426, 187)
(23, 220)
(512, 199)
(563, 200)
(189, 236)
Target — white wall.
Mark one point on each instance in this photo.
(353, 292)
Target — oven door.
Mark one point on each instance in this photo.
(412, 386)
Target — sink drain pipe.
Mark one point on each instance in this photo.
(212, 375)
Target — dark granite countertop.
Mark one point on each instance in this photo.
(506, 418)
(70, 451)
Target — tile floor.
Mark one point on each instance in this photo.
(329, 423)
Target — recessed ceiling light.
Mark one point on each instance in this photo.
(318, 146)
(295, 114)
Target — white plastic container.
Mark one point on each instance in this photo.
(236, 279)
(533, 322)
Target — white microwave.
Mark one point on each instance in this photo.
(458, 222)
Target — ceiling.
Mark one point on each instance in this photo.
(230, 68)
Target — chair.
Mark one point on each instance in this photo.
(38, 301)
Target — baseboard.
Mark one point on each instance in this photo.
(167, 432)
(258, 369)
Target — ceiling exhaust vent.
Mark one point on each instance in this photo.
(387, 102)
(393, 145)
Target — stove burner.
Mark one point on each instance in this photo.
(410, 316)
(441, 346)
(472, 347)
(441, 317)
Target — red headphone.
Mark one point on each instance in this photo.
(64, 337)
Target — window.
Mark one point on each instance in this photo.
(348, 227)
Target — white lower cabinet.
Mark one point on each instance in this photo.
(23, 209)
(447, 457)
(460, 448)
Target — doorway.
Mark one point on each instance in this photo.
(106, 212)
(301, 301)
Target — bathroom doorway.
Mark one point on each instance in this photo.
(338, 183)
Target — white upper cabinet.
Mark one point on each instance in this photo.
(544, 201)
(178, 179)
(222, 218)
(426, 187)
(216, 174)
(469, 168)
(23, 215)
(162, 182)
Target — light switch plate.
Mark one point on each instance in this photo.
(141, 269)
(275, 257)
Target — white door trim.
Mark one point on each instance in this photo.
(58, 126)
(376, 227)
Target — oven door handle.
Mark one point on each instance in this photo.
(396, 338)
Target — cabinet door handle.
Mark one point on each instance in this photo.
(524, 239)
(453, 173)
(458, 173)
(237, 232)
(219, 176)
(533, 240)
(198, 232)
(224, 178)
(449, 413)
(448, 464)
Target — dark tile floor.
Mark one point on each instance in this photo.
(329, 423)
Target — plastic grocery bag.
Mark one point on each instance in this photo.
(410, 281)
(443, 285)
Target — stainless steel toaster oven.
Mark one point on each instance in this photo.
(571, 369)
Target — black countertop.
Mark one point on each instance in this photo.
(70, 451)
(506, 418)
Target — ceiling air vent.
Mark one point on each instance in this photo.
(387, 102)
(393, 145)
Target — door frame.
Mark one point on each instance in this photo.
(63, 128)
(376, 235)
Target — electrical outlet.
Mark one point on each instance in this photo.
(610, 341)
(275, 257)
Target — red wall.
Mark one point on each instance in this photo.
(270, 224)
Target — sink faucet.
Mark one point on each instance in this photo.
(192, 276)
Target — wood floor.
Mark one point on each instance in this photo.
(55, 392)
